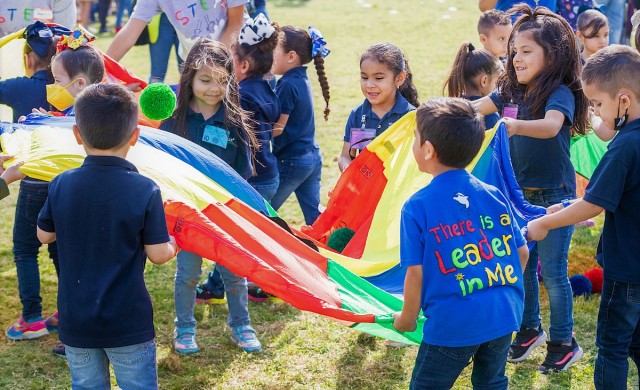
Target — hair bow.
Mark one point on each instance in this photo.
(318, 44)
(38, 36)
(255, 30)
(78, 37)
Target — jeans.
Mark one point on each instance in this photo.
(187, 276)
(267, 188)
(615, 11)
(301, 175)
(553, 253)
(617, 334)
(134, 367)
(123, 5)
(31, 198)
(160, 50)
(438, 367)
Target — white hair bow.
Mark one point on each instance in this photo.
(255, 30)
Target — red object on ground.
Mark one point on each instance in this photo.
(595, 277)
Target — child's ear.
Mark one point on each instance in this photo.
(484, 80)
(76, 133)
(291, 56)
(134, 136)
(483, 39)
(82, 83)
(428, 150)
(244, 67)
(400, 78)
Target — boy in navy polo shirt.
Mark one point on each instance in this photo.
(464, 255)
(610, 82)
(106, 218)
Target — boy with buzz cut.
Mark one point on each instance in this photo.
(107, 219)
(494, 29)
(464, 255)
(611, 83)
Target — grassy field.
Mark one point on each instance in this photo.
(302, 350)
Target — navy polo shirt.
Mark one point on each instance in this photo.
(505, 5)
(257, 97)
(236, 153)
(615, 186)
(544, 163)
(362, 117)
(103, 214)
(23, 94)
(296, 100)
(489, 120)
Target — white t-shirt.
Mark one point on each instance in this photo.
(16, 14)
(192, 19)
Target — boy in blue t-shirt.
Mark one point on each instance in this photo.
(464, 255)
(610, 82)
(106, 219)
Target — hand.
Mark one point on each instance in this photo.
(554, 208)
(40, 111)
(134, 87)
(401, 324)
(3, 158)
(12, 173)
(536, 231)
(511, 125)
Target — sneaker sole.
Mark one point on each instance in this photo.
(186, 351)
(28, 335)
(573, 359)
(212, 301)
(539, 341)
(256, 299)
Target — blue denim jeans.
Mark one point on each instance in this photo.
(617, 334)
(134, 367)
(188, 273)
(122, 6)
(160, 50)
(553, 252)
(31, 198)
(301, 175)
(267, 188)
(438, 367)
(615, 11)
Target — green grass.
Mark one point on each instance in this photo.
(302, 350)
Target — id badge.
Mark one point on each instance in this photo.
(510, 110)
(44, 15)
(360, 138)
(214, 135)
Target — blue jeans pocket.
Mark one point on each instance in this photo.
(130, 355)
(462, 354)
(633, 294)
(79, 357)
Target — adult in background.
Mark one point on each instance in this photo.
(21, 13)
(504, 5)
(217, 20)
(615, 11)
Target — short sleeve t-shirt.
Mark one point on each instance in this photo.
(16, 14)
(362, 117)
(191, 19)
(462, 233)
(103, 214)
(23, 94)
(555, 170)
(615, 186)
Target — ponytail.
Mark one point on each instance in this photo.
(468, 64)
(408, 90)
(318, 61)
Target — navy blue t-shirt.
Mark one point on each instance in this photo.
(615, 186)
(257, 97)
(235, 151)
(489, 120)
(461, 231)
(544, 163)
(23, 94)
(103, 214)
(296, 100)
(362, 117)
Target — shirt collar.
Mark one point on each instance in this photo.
(109, 161)
(217, 117)
(41, 75)
(401, 107)
(298, 71)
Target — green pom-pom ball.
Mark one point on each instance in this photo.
(339, 239)
(157, 101)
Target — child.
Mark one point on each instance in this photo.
(448, 136)
(9, 175)
(610, 81)
(387, 85)
(592, 30)
(295, 147)
(208, 113)
(252, 59)
(541, 87)
(474, 74)
(107, 219)
(494, 29)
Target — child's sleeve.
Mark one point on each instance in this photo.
(9, 91)
(351, 123)
(412, 246)
(607, 184)
(155, 223)
(45, 218)
(145, 10)
(562, 100)
(497, 100)
(288, 97)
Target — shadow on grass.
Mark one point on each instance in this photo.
(365, 366)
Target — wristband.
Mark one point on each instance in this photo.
(566, 203)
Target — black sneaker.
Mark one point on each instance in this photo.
(59, 350)
(256, 294)
(207, 297)
(560, 357)
(526, 340)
